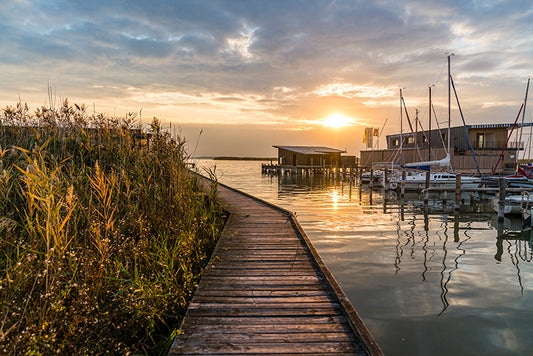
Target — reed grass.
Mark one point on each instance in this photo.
(102, 240)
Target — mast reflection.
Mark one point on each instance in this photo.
(431, 239)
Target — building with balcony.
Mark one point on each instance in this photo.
(488, 141)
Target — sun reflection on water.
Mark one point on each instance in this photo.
(413, 273)
(335, 199)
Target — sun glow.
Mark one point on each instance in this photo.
(337, 121)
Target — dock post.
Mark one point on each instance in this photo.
(457, 191)
(456, 218)
(426, 189)
(444, 200)
(501, 199)
(402, 185)
(385, 178)
(371, 183)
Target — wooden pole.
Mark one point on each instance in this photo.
(457, 192)
(371, 183)
(426, 190)
(385, 178)
(402, 185)
(501, 198)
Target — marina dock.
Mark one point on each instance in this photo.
(267, 291)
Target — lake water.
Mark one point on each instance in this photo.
(435, 283)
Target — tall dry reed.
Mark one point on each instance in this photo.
(103, 233)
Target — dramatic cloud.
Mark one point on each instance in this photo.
(287, 64)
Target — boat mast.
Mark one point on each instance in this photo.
(429, 130)
(401, 128)
(449, 101)
(522, 125)
(416, 131)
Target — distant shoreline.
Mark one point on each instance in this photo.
(229, 158)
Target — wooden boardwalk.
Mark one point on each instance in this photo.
(266, 291)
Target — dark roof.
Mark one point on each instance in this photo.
(487, 126)
(310, 150)
(476, 126)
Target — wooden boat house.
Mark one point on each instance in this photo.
(312, 159)
(488, 142)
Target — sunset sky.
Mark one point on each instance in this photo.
(252, 74)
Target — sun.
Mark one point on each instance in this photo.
(337, 121)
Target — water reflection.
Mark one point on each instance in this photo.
(413, 212)
(424, 278)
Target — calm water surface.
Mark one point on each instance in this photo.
(425, 284)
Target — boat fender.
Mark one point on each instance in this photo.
(393, 185)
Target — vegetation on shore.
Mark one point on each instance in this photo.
(102, 240)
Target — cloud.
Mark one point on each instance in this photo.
(261, 60)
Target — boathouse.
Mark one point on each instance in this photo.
(487, 140)
(309, 156)
(316, 159)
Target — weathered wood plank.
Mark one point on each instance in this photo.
(236, 312)
(260, 337)
(281, 348)
(206, 293)
(262, 299)
(314, 321)
(263, 279)
(266, 328)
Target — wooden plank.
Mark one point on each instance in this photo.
(313, 321)
(261, 293)
(287, 287)
(263, 279)
(245, 306)
(266, 328)
(259, 337)
(281, 348)
(286, 311)
(252, 299)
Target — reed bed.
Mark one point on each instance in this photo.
(104, 234)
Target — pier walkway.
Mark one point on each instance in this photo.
(267, 291)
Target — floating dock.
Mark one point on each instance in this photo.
(267, 291)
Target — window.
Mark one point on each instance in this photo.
(444, 137)
(424, 139)
(411, 139)
(480, 140)
(395, 142)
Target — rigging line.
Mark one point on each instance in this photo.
(440, 130)
(423, 131)
(441, 70)
(464, 124)
(528, 145)
(409, 121)
(522, 125)
(508, 137)
(407, 114)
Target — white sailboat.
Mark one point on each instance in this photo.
(417, 181)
